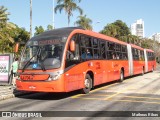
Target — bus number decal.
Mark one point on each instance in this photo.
(26, 77)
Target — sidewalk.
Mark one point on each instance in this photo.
(9, 92)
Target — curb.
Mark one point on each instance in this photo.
(15, 93)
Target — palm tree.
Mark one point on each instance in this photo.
(38, 30)
(3, 16)
(111, 30)
(84, 22)
(69, 6)
(5, 26)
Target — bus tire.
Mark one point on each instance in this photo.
(121, 76)
(87, 84)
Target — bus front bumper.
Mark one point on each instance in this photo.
(51, 86)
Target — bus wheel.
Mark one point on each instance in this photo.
(87, 84)
(121, 76)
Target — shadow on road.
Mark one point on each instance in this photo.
(56, 96)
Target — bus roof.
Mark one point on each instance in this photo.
(98, 35)
(149, 50)
(60, 32)
(138, 47)
(69, 31)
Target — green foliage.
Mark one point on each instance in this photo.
(38, 30)
(111, 30)
(84, 22)
(118, 29)
(122, 28)
(10, 33)
(3, 16)
(49, 27)
(68, 6)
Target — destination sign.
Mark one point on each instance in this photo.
(48, 42)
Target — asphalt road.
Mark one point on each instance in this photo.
(129, 98)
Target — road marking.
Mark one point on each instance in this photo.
(152, 98)
(79, 95)
(102, 88)
(119, 92)
(142, 97)
(135, 101)
(98, 89)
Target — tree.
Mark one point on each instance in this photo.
(15, 35)
(6, 31)
(38, 30)
(111, 30)
(123, 28)
(69, 6)
(21, 36)
(118, 29)
(3, 16)
(84, 22)
(49, 27)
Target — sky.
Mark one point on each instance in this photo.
(101, 12)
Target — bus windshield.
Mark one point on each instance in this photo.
(42, 55)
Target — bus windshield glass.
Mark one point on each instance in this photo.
(42, 54)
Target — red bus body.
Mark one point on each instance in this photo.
(73, 77)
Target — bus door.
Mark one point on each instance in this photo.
(74, 74)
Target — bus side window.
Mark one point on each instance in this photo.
(86, 53)
(86, 47)
(102, 50)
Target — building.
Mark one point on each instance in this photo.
(156, 37)
(137, 28)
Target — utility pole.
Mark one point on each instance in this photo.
(53, 16)
(30, 18)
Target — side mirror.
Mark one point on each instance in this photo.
(72, 46)
(16, 47)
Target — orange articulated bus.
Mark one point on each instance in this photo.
(68, 59)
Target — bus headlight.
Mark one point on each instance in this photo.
(54, 77)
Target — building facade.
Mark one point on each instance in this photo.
(156, 37)
(137, 28)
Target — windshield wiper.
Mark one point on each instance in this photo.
(38, 59)
(28, 62)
